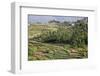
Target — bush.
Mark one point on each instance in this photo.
(62, 35)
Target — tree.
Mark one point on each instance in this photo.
(80, 32)
(53, 21)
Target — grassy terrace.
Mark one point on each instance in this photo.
(44, 43)
(45, 51)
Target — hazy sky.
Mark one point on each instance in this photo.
(45, 19)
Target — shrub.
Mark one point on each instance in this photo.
(62, 35)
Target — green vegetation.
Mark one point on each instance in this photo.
(58, 41)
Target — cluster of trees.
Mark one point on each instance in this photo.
(53, 21)
(65, 23)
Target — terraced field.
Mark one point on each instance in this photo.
(40, 50)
